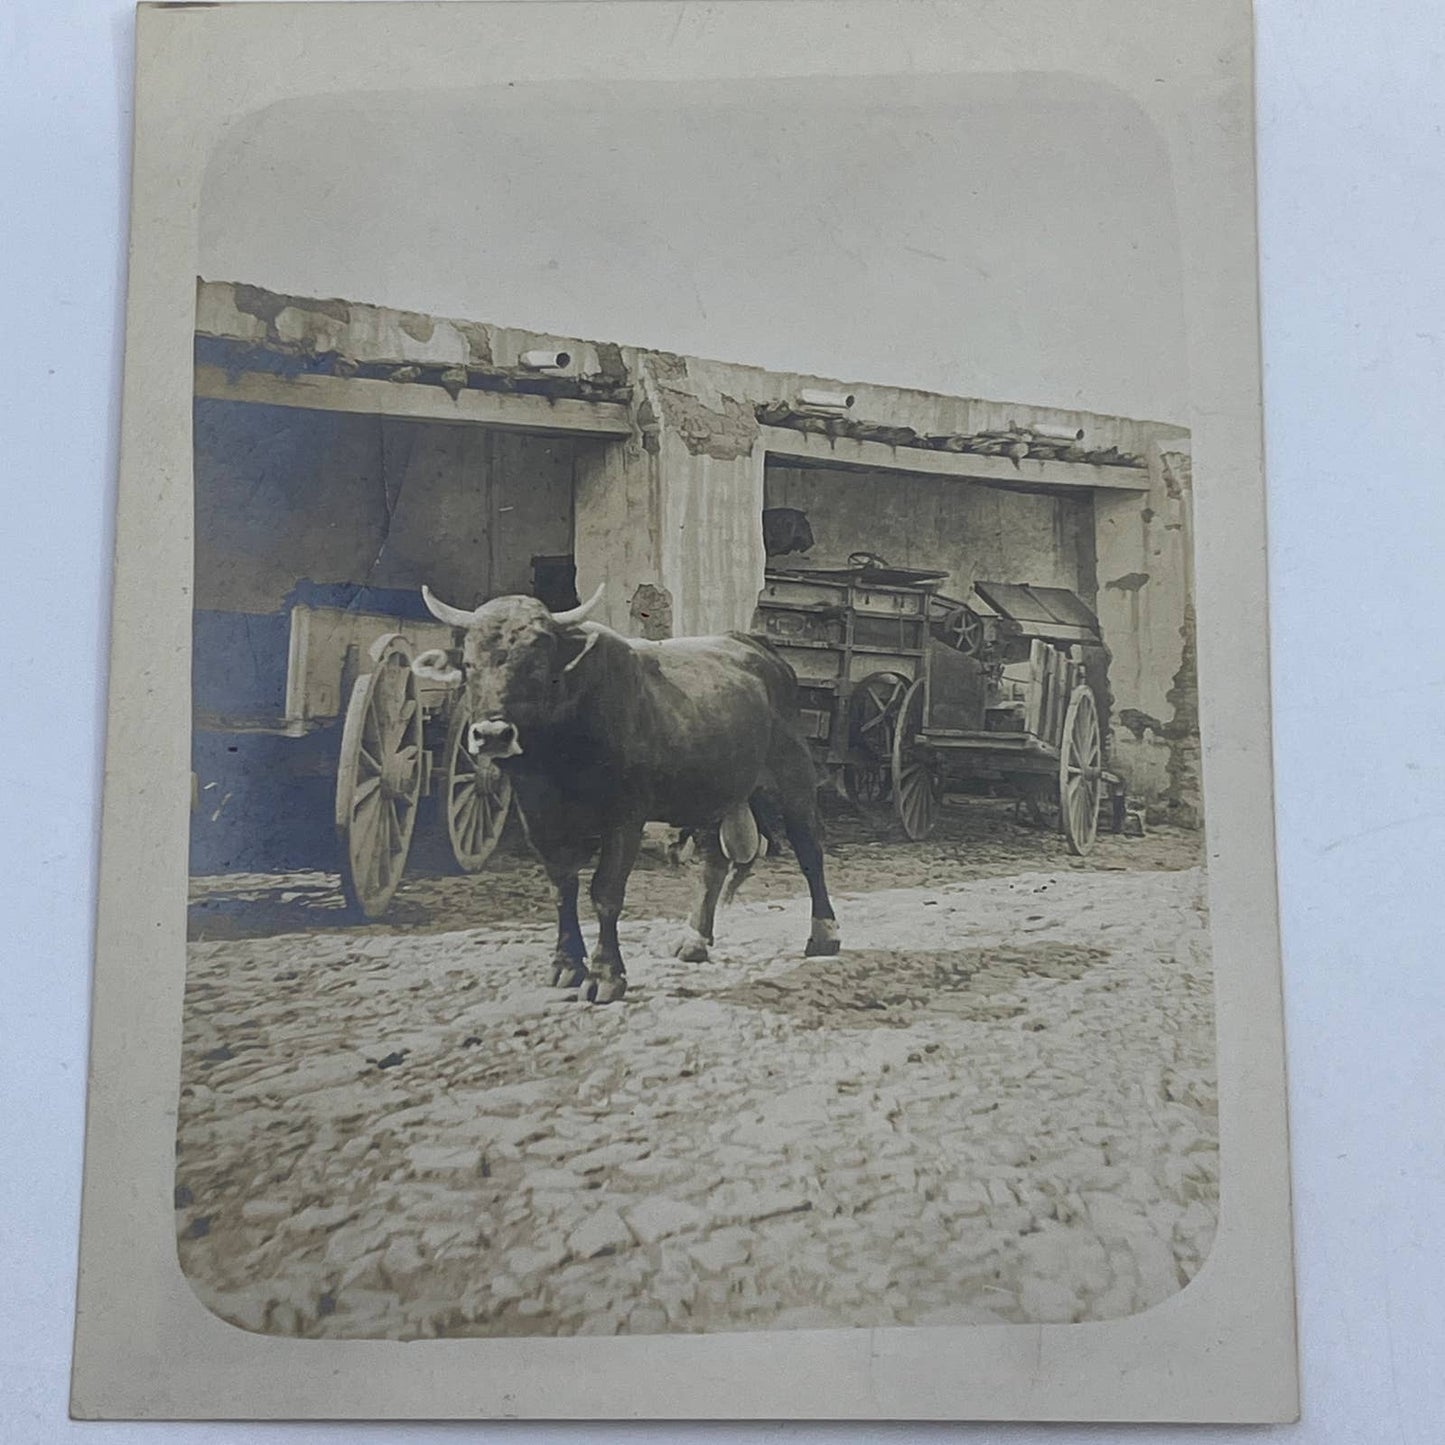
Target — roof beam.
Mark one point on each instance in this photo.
(368, 396)
(1027, 474)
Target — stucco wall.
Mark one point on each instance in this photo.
(971, 531)
(532, 479)
(619, 535)
(668, 517)
(1145, 605)
(672, 521)
(362, 333)
(712, 487)
(368, 334)
(284, 493)
(713, 539)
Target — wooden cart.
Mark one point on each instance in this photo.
(857, 638)
(348, 698)
(1015, 688)
(907, 693)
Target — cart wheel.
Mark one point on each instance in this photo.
(963, 629)
(867, 785)
(1081, 769)
(915, 784)
(378, 779)
(474, 797)
(872, 720)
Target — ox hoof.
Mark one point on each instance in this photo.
(603, 988)
(567, 974)
(692, 949)
(824, 940)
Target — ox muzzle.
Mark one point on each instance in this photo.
(493, 738)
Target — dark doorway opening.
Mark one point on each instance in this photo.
(554, 582)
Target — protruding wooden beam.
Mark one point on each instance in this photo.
(367, 396)
(844, 452)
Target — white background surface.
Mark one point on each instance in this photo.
(1352, 177)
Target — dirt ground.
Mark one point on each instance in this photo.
(975, 838)
(998, 1104)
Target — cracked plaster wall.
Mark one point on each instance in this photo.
(972, 531)
(1145, 606)
(669, 517)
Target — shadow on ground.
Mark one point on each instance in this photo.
(871, 987)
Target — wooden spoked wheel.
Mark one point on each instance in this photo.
(378, 779)
(1081, 769)
(872, 719)
(915, 780)
(867, 784)
(963, 629)
(474, 797)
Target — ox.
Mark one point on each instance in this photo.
(601, 733)
(785, 530)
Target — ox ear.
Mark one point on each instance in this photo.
(436, 665)
(587, 636)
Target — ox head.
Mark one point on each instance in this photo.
(514, 665)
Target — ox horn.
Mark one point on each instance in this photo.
(452, 616)
(579, 614)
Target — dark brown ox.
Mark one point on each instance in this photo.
(601, 734)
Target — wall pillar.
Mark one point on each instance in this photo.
(671, 517)
(1144, 552)
(617, 534)
(711, 456)
(713, 558)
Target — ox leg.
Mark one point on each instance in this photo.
(823, 936)
(694, 945)
(569, 962)
(606, 975)
(800, 820)
(564, 844)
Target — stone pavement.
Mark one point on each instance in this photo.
(975, 838)
(997, 1105)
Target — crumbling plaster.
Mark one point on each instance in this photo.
(669, 516)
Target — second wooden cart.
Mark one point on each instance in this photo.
(906, 693)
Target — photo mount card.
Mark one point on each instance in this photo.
(688, 814)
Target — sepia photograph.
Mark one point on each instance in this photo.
(840, 736)
(689, 658)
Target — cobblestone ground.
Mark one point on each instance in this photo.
(975, 838)
(997, 1105)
